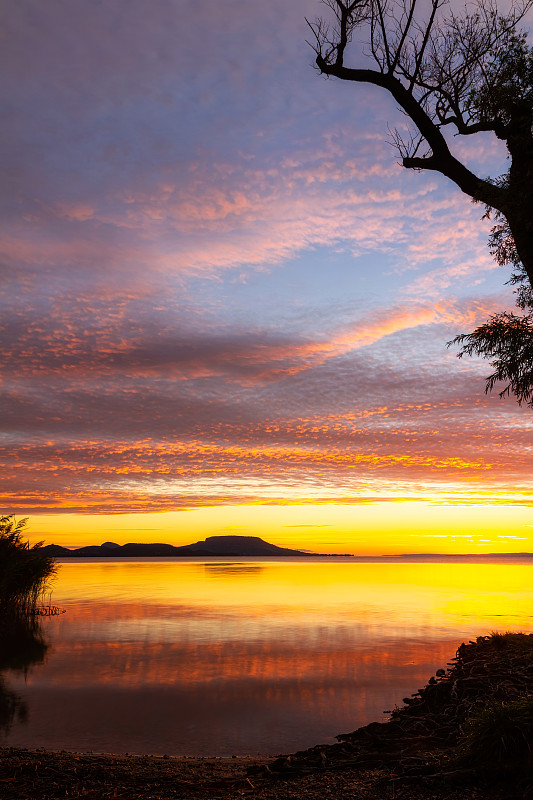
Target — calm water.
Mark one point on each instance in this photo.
(247, 657)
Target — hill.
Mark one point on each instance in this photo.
(221, 546)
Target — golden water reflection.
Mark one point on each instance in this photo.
(250, 657)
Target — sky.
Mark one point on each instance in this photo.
(225, 306)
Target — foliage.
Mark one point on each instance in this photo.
(25, 572)
(507, 82)
(506, 339)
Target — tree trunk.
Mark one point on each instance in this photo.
(519, 205)
(521, 225)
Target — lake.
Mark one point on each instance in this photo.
(247, 657)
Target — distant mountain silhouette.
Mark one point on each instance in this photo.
(212, 546)
(252, 546)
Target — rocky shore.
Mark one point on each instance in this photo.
(466, 735)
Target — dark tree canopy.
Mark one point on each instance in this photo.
(464, 73)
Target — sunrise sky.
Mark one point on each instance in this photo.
(225, 306)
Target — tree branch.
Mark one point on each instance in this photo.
(403, 37)
(418, 63)
(441, 159)
(465, 129)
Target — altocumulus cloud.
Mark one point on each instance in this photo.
(186, 203)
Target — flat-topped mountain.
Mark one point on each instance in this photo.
(212, 546)
(241, 545)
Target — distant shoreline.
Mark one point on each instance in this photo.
(435, 558)
(254, 547)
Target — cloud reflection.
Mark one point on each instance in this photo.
(172, 658)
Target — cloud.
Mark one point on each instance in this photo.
(208, 222)
(91, 341)
(218, 285)
(336, 430)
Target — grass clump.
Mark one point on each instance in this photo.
(500, 736)
(509, 638)
(25, 572)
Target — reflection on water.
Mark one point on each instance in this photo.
(223, 569)
(250, 657)
(21, 646)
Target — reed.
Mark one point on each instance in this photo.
(25, 572)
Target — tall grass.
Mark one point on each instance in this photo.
(25, 572)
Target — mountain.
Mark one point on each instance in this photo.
(221, 546)
(240, 546)
(254, 547)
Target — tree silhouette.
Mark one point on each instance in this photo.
(467, 74)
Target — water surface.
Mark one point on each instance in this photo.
(248, 657)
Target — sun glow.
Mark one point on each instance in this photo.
(360, 528)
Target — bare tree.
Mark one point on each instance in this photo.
(468, 74)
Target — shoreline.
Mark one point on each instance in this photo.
(35, 751)
(54, 775)
(47, 774)
(428, 750)
(50, 775)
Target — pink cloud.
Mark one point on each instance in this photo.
(212, 217)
